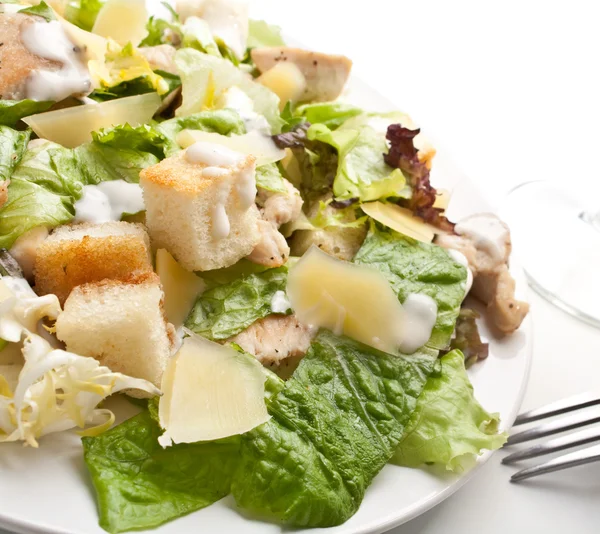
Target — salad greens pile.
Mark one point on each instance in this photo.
(348, 409)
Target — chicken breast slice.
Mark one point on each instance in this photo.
(272, 249)
(325, 74)
(276, 340)
(485, 241)
(280, 208)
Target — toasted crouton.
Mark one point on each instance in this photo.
(121, 324)
(200, 217)
(77, 254)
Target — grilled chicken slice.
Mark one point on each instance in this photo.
(272, 249)
(276, 340)
(17, 63)
(485, 241)
(325, 74)
(275, 209)
(280, 208)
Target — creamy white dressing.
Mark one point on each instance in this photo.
(108, 201)
(280, 302)
(487, 232)
(246, 188)
(49, 41)
(220, 221)
(459, 257)
(214, 172)
(212, 155)
(421, 314)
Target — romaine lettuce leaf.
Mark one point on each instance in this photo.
(261, 34)
(204, 78)
(228, 309)
(83, 13)
(140, 485)
(13, 144)
(12, 111)
(448, 427)
(40, 10)
(331, 114)
(362, 173)
(415, 267)
(334, 426)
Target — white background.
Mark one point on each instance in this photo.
(511, 91)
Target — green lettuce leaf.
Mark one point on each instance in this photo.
(83, 13)
(228, 309)
(268, 177)
(204, 78)
(140, 485)
(449, 427)
(120, 153)
(40, 10)
(13, 144)
(261, 34)
(362, 173)
(12, 111)
(221, 121)
(331, 114)
(415, 267)
(334, 426)
(42, 192)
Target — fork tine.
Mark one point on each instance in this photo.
(572, 459)
(583, 400)
(557, 444)
(554, 427)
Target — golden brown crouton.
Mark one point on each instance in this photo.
(201, 213)
(82, 253)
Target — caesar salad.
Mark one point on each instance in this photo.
(194, 216)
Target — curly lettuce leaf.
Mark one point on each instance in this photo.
(228, 309)
(83, 13)
(204, 78)
(120, 153)
(334, 426)
(449, 427)
(139, 485)
(362, 172)
(13, 144)
(12, 111)
(415, 267)
(331, 114)
(40, 194)
(261, 34)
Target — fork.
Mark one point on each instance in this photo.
(563, 424)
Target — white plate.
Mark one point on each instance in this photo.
(48, 490)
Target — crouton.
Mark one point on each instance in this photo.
(121, 324)
(77, 254)
(201, 213)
